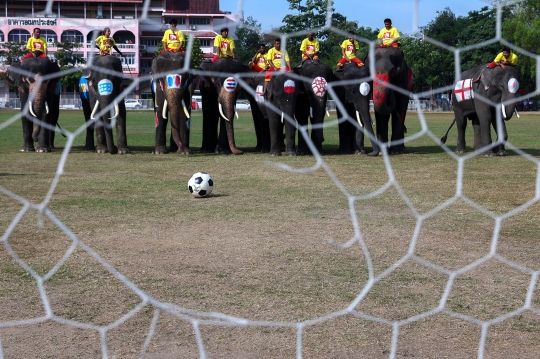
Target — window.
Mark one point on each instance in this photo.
(50, 36)
(205, 42)
(128, 60)
(72, 36)
(18, 35)
(199, 21)
(150, 42)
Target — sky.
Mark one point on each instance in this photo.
(368, 13)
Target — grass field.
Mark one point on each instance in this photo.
(427, 257)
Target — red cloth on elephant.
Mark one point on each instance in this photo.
(42, 55)
(270, 73)
(354, 59)
(492, 65)
(394, 44)
(172, 50)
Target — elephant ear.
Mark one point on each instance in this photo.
(485, 77)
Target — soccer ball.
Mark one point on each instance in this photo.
(200, 184)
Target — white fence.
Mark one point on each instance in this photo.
(425, 105)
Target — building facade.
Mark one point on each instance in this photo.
(136, 25)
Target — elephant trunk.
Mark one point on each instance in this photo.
(384, 101)
(107, 124)
(226, 102)
(178, 119)
(38, 89)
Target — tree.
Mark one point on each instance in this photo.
(522, 29)
(13, 51)
(249, 36)
(68, 58)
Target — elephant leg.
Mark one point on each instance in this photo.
(382, 127)
(90, 126)
(290, 136)
(368, 127)
(398, 134)
(276, 134)
(500, 150)
(27, 126)
(346, 140)
(101, 146)
(223, 140)
(161, 130)
(461, 125)
(302, 115)
(121, 134)
(109, 138)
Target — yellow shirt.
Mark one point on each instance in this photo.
(105, 44)
(349, 49)
(512, 58)
(310, 47)
(388, 35)
(260, 60)
(34, 44)
(225, 45)
(274, 56)
(173, 38)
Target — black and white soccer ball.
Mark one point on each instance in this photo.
(200, 184)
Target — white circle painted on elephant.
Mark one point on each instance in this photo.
(513, 85)
(364, 88)
(229, 84)
(319, 86)
(174, 81)
(289, 86)
(105, 87)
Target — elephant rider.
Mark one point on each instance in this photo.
(173, 39)
(274, 58)
(105, 43)
(258, 62)
(503, 59)
(310, 47)
(389, 35)
(348, 52)
(223, 45)
(36, 45)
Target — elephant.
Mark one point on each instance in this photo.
(42, 98)
(172, 87)
(259, 112)
(390, 68)
(496, 85)
(104, 78)
(312, 101)
(282, 92)
(354, 95)
(219, 91)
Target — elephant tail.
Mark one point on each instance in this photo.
(445, 137)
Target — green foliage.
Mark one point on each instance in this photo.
(249, 37)
(68, 58)
(196, 53)
(12, 51)
(312, 15)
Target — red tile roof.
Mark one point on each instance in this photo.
(193, 6)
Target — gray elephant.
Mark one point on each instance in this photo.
(219, 91)
(353, 91)
(390, 68)
(312, 101)
(104, 78)
(497, 85)
(37, 80)
(282, 92)
(172, 99)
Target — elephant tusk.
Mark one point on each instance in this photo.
(236, 113)
(164, 112)
(46, 108)
(221, 113)
(94, 111)
(327, 113)
(116, 111)
(503, 111)
(185, 109)
(311, 112)
(282, 117)
(30, 109)
(358, 119)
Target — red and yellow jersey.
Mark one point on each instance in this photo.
(388, 36)
(37, 44)
(512, 58)
(310, 47)
(173, 38)
(274, 56)
(260, 60)
(105, 44)
(224, 45)
(350, 48)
